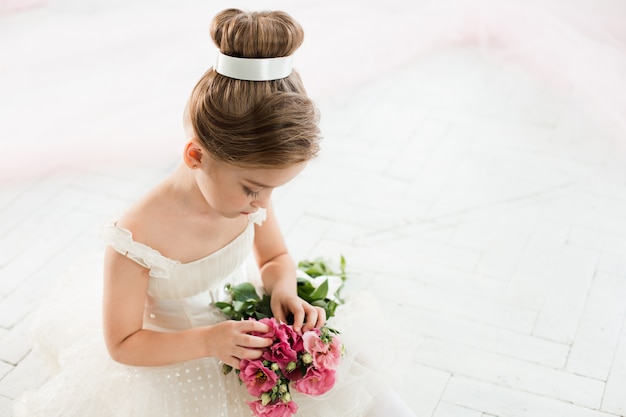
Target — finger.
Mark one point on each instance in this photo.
(255, 342)
(250, 354)
(321, 317)
(277, 310)
(250, 326)
(311, 319)
(280, 315)
(232, 362)
(298, 318)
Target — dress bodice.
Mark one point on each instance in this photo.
(180, 295)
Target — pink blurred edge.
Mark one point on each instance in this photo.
(578, 47)
(8, 6)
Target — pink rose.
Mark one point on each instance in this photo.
(258, 378)
(282, 332)
(316, 381)
(272, 324)
(296, 374)
(286, 334)
(278, 409)
(330, 359)
(325, 355)
(281, 353)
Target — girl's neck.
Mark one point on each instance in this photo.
(181, 187)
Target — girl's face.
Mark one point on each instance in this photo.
(233, 191)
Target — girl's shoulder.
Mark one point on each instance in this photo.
(161, 221)
(142, 219)
(133, 236)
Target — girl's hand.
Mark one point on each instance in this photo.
(285, 303)
(231, 341)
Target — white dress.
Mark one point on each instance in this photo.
(88, 383)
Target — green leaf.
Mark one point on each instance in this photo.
(330, 308)
(246, 303)
(226, 369)
(263, 306)
(244, 291)
(305, 285)
(314, 268)
(227, 311)
(321, 291)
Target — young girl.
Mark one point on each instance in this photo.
(250, 129)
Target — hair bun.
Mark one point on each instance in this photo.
(267, 34)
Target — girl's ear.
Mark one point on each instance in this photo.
(193, 155)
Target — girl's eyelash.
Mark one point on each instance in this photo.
(250, 193)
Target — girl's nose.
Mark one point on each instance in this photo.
(262, 199)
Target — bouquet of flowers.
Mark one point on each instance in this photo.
(305, 362)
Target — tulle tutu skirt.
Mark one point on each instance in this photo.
(85, 381)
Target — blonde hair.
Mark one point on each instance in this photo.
(255, 124)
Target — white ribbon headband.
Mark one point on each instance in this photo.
(253, 69)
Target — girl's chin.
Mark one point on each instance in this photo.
(231, 215)
(234, 215)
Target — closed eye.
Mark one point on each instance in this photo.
(250, 193)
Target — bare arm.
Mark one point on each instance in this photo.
(278, 273)
(125, 286)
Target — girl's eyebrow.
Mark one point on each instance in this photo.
(258, 184)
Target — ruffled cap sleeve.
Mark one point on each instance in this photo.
(258, 217)
(122, 241)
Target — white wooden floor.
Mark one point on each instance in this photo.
(486, 210)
